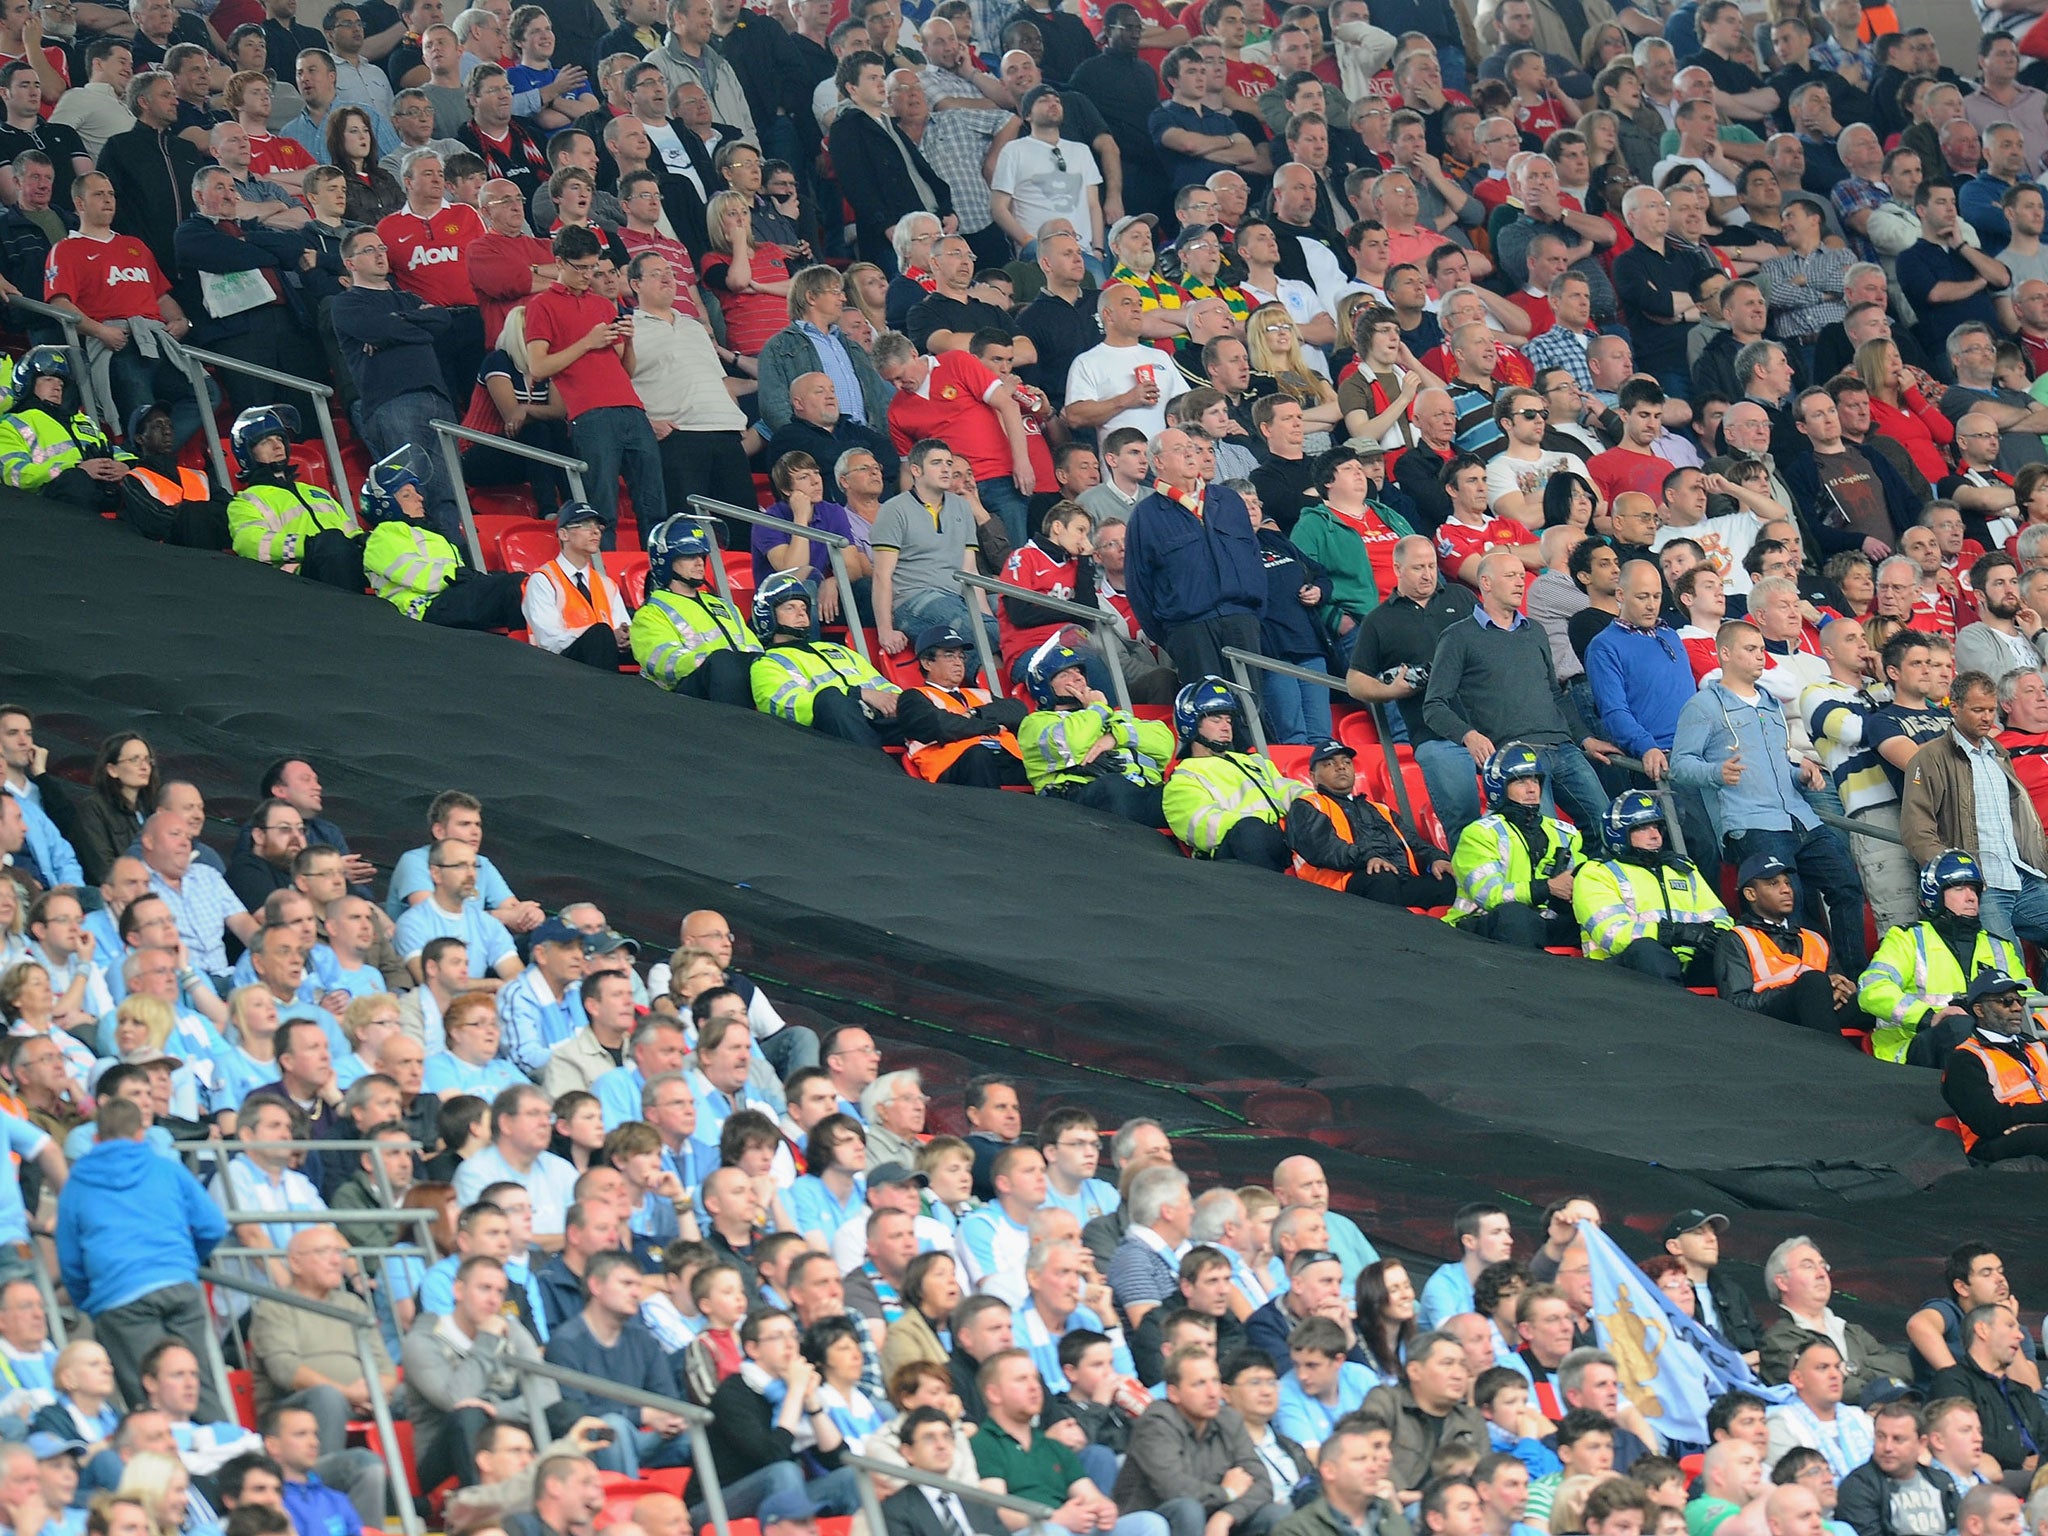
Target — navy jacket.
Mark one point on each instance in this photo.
(203, 246)
(1288, 630)
(387, 339)
(1180, 568)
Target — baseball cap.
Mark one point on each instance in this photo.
(1760, 866)
(607, 942)
(1990, 983)
(1116, 230)
(895, 1173)
(794, 1504)
(1327, 749)
(555, 931)
(939, 637)
(574, 512)
(149, 1056)
(1691, 1221)
(44, 1446)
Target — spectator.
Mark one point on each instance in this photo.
(1192, 1461)
(99, 110)
(1121, 382)
(1429, 1405)
(1895, 1479)
(150, 167)
(1658, 281)
(955, 399)
(812, 342)
(1942, 260)
(2014, 1424)
(929, 1444)
(1798, 1279)
(521, 1128)
(755, 1437)
(881, 171)
(2001, 1116)
(699, 429)
(1193, 578)
(1016, 1457)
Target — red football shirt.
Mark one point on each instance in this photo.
(1623, 469)
(952, 405)
(427, 255)
(598, 378)
(1458, 542)
(114, 279)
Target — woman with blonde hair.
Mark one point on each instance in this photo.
(367, 1023)
(161, 1485)
(1281, 367)
(13, 927)
(1568, 1504)
(748, 277)
(867, 290)
(1899, 411)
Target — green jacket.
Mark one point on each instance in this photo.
(1493, 869)
(1054, 742)
(788, 678)
(1618, 903)
(1321, 535)
(1318, 1519)
(1914, 975)
(408, 564)
(1207, 796)
(273, 523)
(36, 446)
(673, 633)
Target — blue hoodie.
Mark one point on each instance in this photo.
(130, 1222)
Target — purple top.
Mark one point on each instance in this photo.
(826, 517)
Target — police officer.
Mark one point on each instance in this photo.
(1996, 1080)
(1349, 842)
(1918, 972)
(1768, 964)
(50, 444)
(416, 570)
(816, 683)
(1643, 906)
(957, 734)
(1514, 866)
(163, 499)
(1223, 802)
(1077, 746)
(279, 519)
(686, 637)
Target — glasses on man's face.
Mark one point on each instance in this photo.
(1532, 415)
(586, 268)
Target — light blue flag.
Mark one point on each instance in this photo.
(1670, 1367)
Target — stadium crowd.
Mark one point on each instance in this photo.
(529, 1146)
(1638, 405)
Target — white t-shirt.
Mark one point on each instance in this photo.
(1048, 181)
(1717, 184)
(1102, 373)
(1727, 541)
(1529, 476)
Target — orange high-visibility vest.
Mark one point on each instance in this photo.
(929, 759)
(1336, 879)
(189, 486)
(2012, 1081)
(579, 612)
(1770, 966)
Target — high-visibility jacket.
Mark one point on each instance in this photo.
(1770, 966)
(2019, 1079)
(788, 678)
(580, 612)
(37, 445)
(1914, 975)
(190, 485)
(930, 759)
(1493, 866)
(1618, 903)
(274, 523)
(1338, 814)
(673, 632)
(409, 565)
(1207, 796)
(1054, 742)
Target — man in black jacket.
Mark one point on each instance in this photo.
(958, 735)
(881, 172)
(755, 1440)
(151, 169)
(1892, 1494)
(1694, 1238)
(928, 1438)
(2015, 1425)
(234, 273)
(1351, 843)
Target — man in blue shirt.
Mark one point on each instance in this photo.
(1942, 261)
(461, 817)
(1195, 141)
(1981, 200)
(543, 1007)
(1301, 1181)
(659, 1046)
(1484, 1237)
(291, 1438)
(608, 1339)
(452, 910)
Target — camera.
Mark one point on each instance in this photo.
(1413, 675)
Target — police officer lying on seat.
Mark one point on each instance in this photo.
(1222, 801)
(686, 637)
(419, 572)
(50, 444)
(1514, 866)
(816, 683)
(1643, 906)
(278, 518)
(1078, 747)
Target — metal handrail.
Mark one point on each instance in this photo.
(105, 411)
(1241, 660)
(704, 1464)
(188, 356)
(192, 1151)
(365, 1327)
(866, 1469)
(836, 545)
(1098, 621)
(451, 457)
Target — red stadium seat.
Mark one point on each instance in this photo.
(739, 574)
(630, 572)
(1291, 760)
(242, 1384)
(668, 1479)
(402, 1430)
(508, 499)
(527, 547)
(491, 528)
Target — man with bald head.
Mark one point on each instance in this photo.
(818, 426)
(1300, 1180)
(787, 1046)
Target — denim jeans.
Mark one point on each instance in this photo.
(402, 420)
(1296, 712)
(928, 605)
(1569, 780)
(1453, 782)
(2020, 914)
(616, 440)
(837, 1493)
(1823, 870)
(633, 1448)
(1001, 496)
